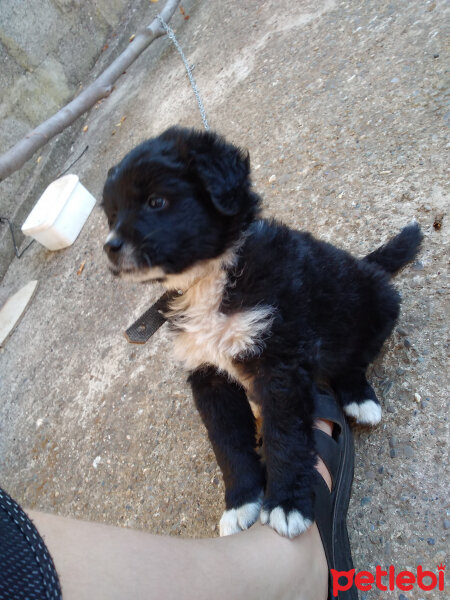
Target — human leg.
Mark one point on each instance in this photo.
(101, 561)
(105, 562)
(109, 563)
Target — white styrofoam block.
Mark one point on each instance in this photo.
(60, 213)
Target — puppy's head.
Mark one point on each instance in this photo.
(175, 200)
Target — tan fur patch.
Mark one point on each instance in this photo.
(207, 336)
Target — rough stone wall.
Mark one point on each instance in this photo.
(47, 49)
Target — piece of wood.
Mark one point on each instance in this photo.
(14, 308)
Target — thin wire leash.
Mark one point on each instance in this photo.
(143, 329)
(171, 36)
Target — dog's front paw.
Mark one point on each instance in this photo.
(234, 520)
(367, 412)
(288, 523)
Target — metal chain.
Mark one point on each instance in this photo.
(174, 40)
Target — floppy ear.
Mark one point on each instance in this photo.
(224, 171)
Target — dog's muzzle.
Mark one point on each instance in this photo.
(112, 248)
(124, 263)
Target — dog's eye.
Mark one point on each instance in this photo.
(157, 203)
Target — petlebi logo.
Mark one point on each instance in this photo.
(388, 580)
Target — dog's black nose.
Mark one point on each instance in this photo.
(113, 245)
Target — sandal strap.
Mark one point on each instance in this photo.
(330, 508)
(326, 407)
(329, 451)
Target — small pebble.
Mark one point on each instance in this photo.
(285, 178)
(423, 404)
(380, 470)
(402, 597)
(418, 265)
(386, 386)
(446, 524)
(393, 453)
(400, 371)
(401, 331)
(417, 397)
(393, 441)
(407, 343)
(431, 541)
(366, 500)
(272, 178)
(409, 452)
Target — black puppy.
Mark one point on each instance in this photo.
(265, 313)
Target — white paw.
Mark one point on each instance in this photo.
(365, 413)
(237, 519)
(289, 525)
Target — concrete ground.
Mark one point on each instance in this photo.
(343, 108)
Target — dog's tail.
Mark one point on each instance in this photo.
(398, 251)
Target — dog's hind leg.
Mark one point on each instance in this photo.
(358, 398)
(226, 413)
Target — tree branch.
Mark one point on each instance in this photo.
(16, 156)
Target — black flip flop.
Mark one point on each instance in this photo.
(337, 453)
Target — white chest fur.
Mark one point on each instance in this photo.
(207, 336)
